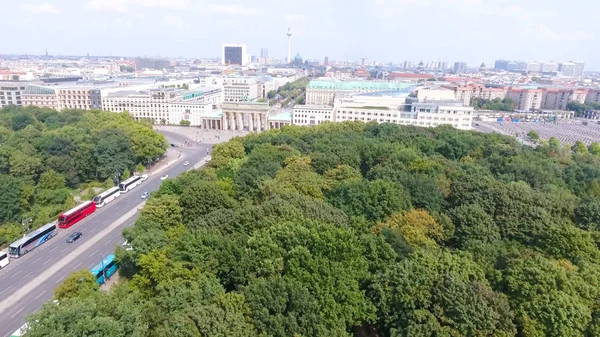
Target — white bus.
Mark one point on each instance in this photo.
(4, 260)
(32, 240)
(21, 332)
(107, 196)
(129, 184)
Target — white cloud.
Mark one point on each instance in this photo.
(40, 8)
(173, 21)
(108, 5)
(232, 10)
(544, 32)
(164, 3)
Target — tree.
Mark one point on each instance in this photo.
(579, 148)
(184, 122)
(533, 136)
(271, 94)
(418, 227)
(79, 284)
(114, 153)
(9, 199)
(594, 148)
(472, 222)
(375, 200)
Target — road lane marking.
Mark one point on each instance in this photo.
(60, 279)
(24, 290)
(36, 260)
(62, 251)
(17, 273)
(16, 313)
(40, 295)
(94, 253)
(79, 264)
(28, 274)
(5, 290)
(107, 242)
(53, 249)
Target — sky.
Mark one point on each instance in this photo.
(473, 31)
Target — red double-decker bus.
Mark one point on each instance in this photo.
(72, 216)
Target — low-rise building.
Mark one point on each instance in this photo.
(387, 107)
(40, 96)
(166, 105)
(324, 91)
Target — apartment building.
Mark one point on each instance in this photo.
(593, 96)
(526, 99)
(385, 107)
(557, 99)
(11, 93)
(466, 92)
(323, 92)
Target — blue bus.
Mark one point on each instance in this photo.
(105, 269)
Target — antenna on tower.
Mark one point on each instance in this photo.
(289, 55)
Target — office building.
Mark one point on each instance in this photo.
(323, 92)
(460, 67)
(533, 67)
(387, 107)
(155, 64)
(567, 69)
(234, 54)
(75, 97)
(579, 68)
(549, 67)
(166, 105)
(40, 96)
(11, 93)
(501, 65)
(264, 53)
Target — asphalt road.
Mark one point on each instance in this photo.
(21, 271)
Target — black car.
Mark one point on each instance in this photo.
(74, 237)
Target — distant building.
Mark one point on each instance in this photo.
(234, 54)
(549, 67)
(264, 53)
(323, 92)
(533, 67)
(567, 69)
(11, 93)
(501, 65)
(156, 64)
(460, 67)
(579, 68)
(40, 96)
(326, 63)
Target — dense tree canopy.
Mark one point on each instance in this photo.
(353, 229)
(46, 157)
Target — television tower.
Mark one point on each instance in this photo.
(289, 35)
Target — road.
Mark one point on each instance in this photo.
(23, 286)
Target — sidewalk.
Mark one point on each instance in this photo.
(201, 135)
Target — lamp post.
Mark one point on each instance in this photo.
(103, 271)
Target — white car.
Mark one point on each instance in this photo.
(144, 177)
(186, 163)
(146, 195)
(165, 176)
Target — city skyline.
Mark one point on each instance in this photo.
(461, 30)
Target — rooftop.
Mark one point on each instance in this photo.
(358, 85)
